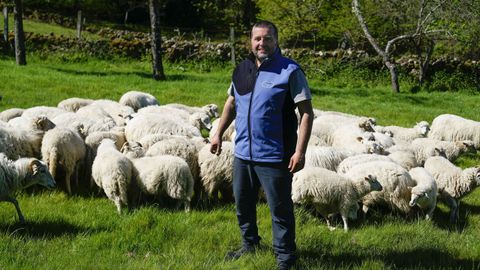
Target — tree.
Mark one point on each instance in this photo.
(19, 34)
(420, 31)
(154, 6)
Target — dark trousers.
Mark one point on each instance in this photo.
(276, 181)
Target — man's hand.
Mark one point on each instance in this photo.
(216, 145)
(297, 162)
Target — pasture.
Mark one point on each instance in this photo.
(85, 232)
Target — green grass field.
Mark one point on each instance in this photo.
(85, 232)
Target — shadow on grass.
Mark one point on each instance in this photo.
(430, 258)
(170, 77)
(45, 229)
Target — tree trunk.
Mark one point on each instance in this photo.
(392, 67)
(423, 63)
(79, 25)
(156, 38)
(5, 24)
(19, 34)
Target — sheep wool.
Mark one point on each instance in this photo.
(331, 193)
(138, 100)
(20, 174)
(453, 183)
(424, 194)
(449, 127)
(112, 172)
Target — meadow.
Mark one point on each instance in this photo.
(85, 232)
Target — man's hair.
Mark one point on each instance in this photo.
(267, 24)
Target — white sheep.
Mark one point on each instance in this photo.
(453, 183)
(63, 147)
(452, 149)
(8, 114)
(138, 100)
(216, 171)
(113, 172)
(424, 193)
(405, 158)
(40, 122)
(90, 122)
(20, 174)
(49, 112)
(120, 113)
(228, 135)
(325, 157)
(325, 125)
(199, 119)
(449, 127)
(331, 193)
(74, 104)
(395, 181)
(354, 139)
(15, 142)
(165, 176)
(210, 109)
(352, 161)
(147, 124)
(420, 130)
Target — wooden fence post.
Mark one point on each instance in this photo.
(5, 24)
(79, 25)
(232, 44)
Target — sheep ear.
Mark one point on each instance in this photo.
(34, 166)
(360, 139)
(125, 146)
(426, 195)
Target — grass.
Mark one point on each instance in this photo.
(47, 29)
(84, 232)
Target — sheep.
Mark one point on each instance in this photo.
(325, 157)
(138, 100)
(420, 152)
(384, 139)
(146, 124)
(228, 135)
(16, 143)
(210, 109)
(199, 119)
(20, 174)
(420, 130)
(216, 171)
(9, 114)
(64, 147)
(452, 149)
(49, 112)
(395, 181)
(119, 113)
(90, 122)
(449, 127)
(453, 183)
(352, 161)
(405, 158)
(74, 104)
(354, 139)
(325, 125)
(424, 193)
(165, 175)
(32, 123)
(112, 172)
(331, 193)
(93, 140)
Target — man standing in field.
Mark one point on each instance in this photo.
(265, 89)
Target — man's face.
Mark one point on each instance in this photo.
(263, 42)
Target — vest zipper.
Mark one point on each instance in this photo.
(249, 115)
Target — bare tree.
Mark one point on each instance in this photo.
(421, 37)
(19, 34)
(156, 38)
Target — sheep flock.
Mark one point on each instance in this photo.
(137, 150)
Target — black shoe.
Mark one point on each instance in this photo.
(236, 254)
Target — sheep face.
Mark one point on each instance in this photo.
(373, 182)
(424, 127)
(477, 176)
(418, 198)
(40, 174)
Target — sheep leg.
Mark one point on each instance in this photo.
(452, 204)
(68, 176)
(429, 214)
(118, 204)
(19, 212)
(345, 222)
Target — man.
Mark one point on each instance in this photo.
(263, 95)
